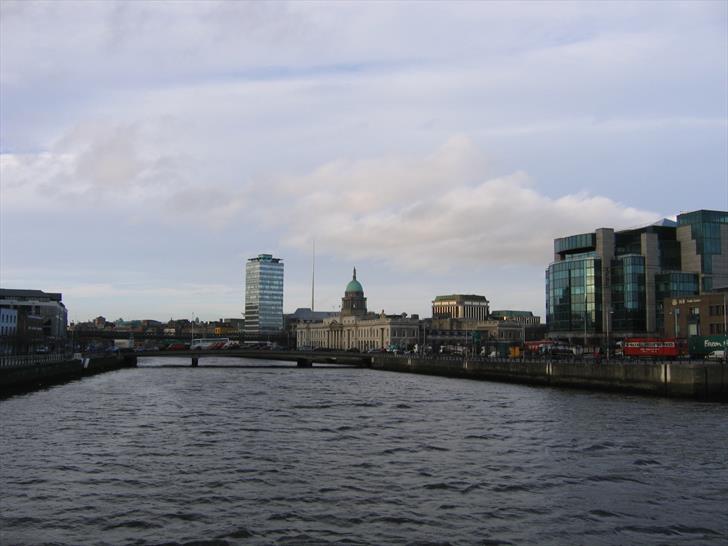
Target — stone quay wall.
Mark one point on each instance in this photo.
(698, 379)
(29, 376)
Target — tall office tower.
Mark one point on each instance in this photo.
(614, 284)
(263, 296)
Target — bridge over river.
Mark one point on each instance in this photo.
(699, 379)
(303, 359)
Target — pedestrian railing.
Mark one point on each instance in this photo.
(576, 359)
(26, 361)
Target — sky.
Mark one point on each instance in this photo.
(148, 149)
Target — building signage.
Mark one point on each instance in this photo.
(702, 345)
(685, 300)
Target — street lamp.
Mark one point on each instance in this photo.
(609, 320)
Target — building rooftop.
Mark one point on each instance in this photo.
(265, 258)
(8, 293)
(460, 297)
(665, 222)
(511, 313)
(305, 313)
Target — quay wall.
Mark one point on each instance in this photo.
(698, 380)
(31, 376)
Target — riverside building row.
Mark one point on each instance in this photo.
(611, 284)
(461, 321)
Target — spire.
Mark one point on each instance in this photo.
(355, 273)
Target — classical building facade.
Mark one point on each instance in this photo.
(460, 306)
(607, 284)
(356, 329)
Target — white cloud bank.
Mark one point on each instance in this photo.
(435, 211)
(439, 211)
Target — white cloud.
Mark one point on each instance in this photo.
(439, 212)
(229, 127)
(120, 168)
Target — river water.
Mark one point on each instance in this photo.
(159, 455)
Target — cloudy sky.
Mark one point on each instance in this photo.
(149, 148)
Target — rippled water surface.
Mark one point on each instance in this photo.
(160, 455)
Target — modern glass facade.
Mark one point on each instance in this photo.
(614, 284)
(675, 284)
(573, 294)
(705, 231)
(263, 296)
(575, 242)
(628, 294)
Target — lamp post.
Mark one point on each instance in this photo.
(609, 320)
(676, 313)
(583, 349)
(725, 329)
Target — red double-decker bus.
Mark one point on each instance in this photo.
(653, 347)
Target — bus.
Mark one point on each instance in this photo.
(653, 347)
(209, 343)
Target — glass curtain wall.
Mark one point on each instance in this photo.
(628, 294)
(705, 228)
(263, 296)
(573, 295)
(674, 284)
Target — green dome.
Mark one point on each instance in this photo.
(354, 285)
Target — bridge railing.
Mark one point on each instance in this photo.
(26, 361)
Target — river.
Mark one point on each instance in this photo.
(282, 455)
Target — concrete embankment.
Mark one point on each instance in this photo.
(34, 375)
(698, 380)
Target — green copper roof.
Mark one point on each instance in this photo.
(354, 285)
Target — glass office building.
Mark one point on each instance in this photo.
(263, 296)
(609, 283)
(573, 294)
(703, 235)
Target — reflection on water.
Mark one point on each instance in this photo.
(258, 456)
